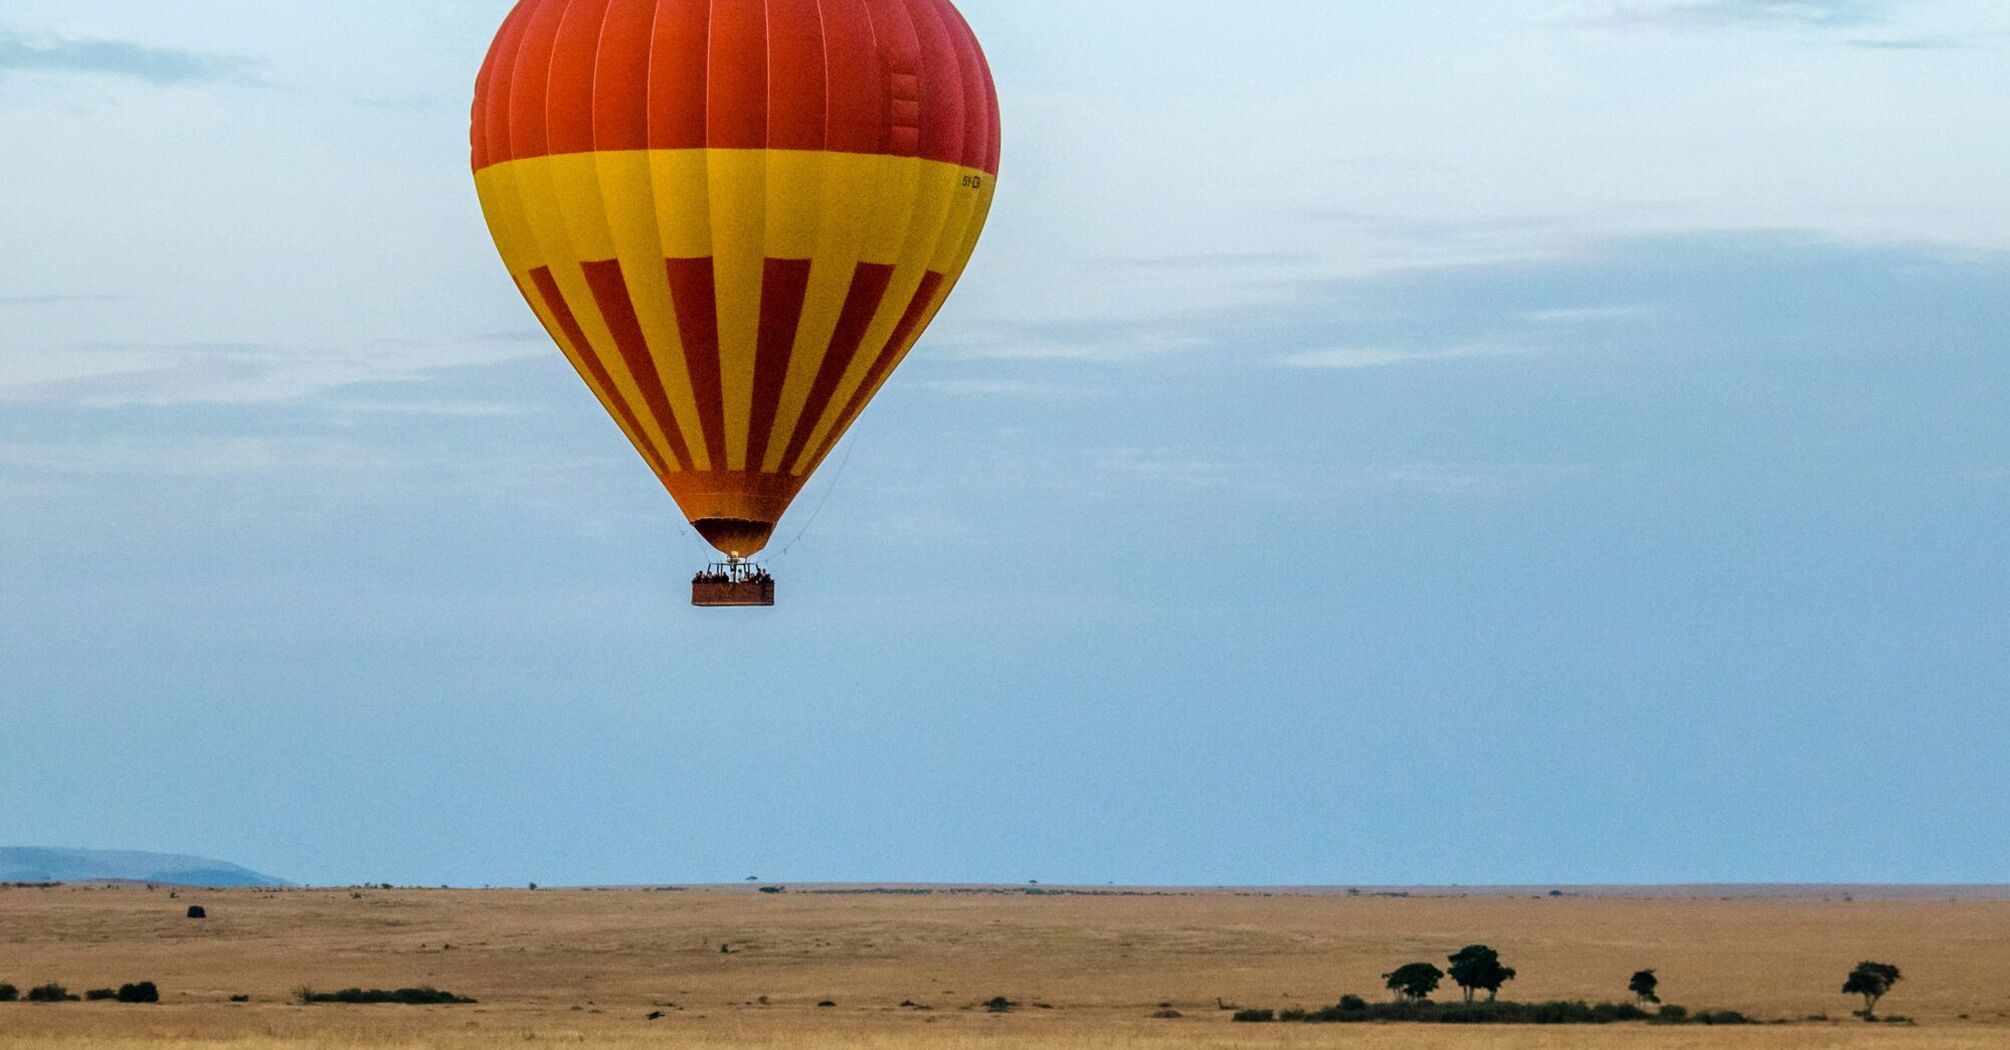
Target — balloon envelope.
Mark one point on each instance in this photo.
(735, 217)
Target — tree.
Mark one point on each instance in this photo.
(1873, 981)
(1477, 967)
(1414, 982)
(1642, 986)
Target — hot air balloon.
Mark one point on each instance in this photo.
(735, 217)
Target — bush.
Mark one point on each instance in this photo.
(378, 996)
(1355, 1010)
(50, 993)
(1254, 1016)
(101, 995)
(9, 993)
(142, 992)
(197, 911)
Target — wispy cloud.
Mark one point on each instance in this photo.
(1677, 14)
(189, 456)
(56, 300)
(1378, 357)
(1931, 42)
(435, 409)
(1211, 261)
(117, 375)
(122, 58)
(1004, 388)
(1587, 314)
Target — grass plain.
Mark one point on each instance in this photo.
(911, 970)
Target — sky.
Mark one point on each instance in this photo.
(1467, 442)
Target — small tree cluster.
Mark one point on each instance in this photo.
(1474, 968)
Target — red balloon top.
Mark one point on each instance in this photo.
(899, 78)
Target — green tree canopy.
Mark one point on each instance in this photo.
(1873, 981)
(1477, 967)
(1414, 982)
(1643, 985)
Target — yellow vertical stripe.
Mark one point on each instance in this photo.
(626, 186)
(573, 233)
(738, 183)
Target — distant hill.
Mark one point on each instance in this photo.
(22, 864)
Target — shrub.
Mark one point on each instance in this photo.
(240, 998)
(9, 993)
(1000, 1005)
(197, 911)
(1254, 1016)
(378, 996)
(1355, 1010)
(50, 993)
(101, 995)
(142, 992)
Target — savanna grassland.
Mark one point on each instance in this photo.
(911, 971)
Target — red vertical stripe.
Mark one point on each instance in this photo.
(900, 54)
(977, 101)
(575, 46)
(530, 88)
(904, 335)
(736, 85)
(678, 58)
(568, 328)
(856, 79)
(784, 285)
(942, 102)
(621, 76)
(610, 291)
(692, 287)
(868, 288)
(495, 101)
(798, 112)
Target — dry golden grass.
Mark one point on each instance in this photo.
(586, 968)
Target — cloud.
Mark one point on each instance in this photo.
(1372, 357)
(56, 300)
(121, 58)
(1929, 42)
(1587, 314)
(1685, 14)
(1003, 388)
(119, 375)
(188, 457)
(1212, 261)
